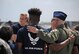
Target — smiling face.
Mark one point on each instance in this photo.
(23, 19)
(54, 22)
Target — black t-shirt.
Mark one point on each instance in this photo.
(31, 43)
(16, 27)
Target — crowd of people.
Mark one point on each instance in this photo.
(27, 37)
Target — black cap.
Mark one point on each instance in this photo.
(59, 14)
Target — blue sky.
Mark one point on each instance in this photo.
(10, 9)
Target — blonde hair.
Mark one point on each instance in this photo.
(25, 14)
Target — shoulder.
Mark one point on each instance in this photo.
(55, 30)
(15, 25)
(23, 29)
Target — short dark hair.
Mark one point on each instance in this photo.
(77, 27)
(34, 11)
(5, 32)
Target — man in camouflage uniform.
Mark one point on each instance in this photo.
(58, 35)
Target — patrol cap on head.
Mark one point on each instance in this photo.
(34, 11)
(59, 14)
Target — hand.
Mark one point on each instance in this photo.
(14, 37)
(71, 38)
(32, 29)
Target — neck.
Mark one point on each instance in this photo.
(23, 24)
(60, 23)
(53, 27)
(31, 24)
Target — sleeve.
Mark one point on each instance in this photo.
(19, 36)
(50, 37)
(14, 29)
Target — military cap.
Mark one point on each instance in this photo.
(59, 14)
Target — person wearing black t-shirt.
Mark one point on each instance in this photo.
(29, 43)
(23, 21)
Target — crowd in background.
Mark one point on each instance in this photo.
(21, 41)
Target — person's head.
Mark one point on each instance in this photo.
(76, 28)
(5, 32)
(66, 25)
(34, 16)
(58, 18)
(23, 19)
(10, 23)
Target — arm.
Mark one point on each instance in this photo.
(45, 49)
(59, 46)
(19, 42)
(14, 37)
(19, 46)
(48, 37)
